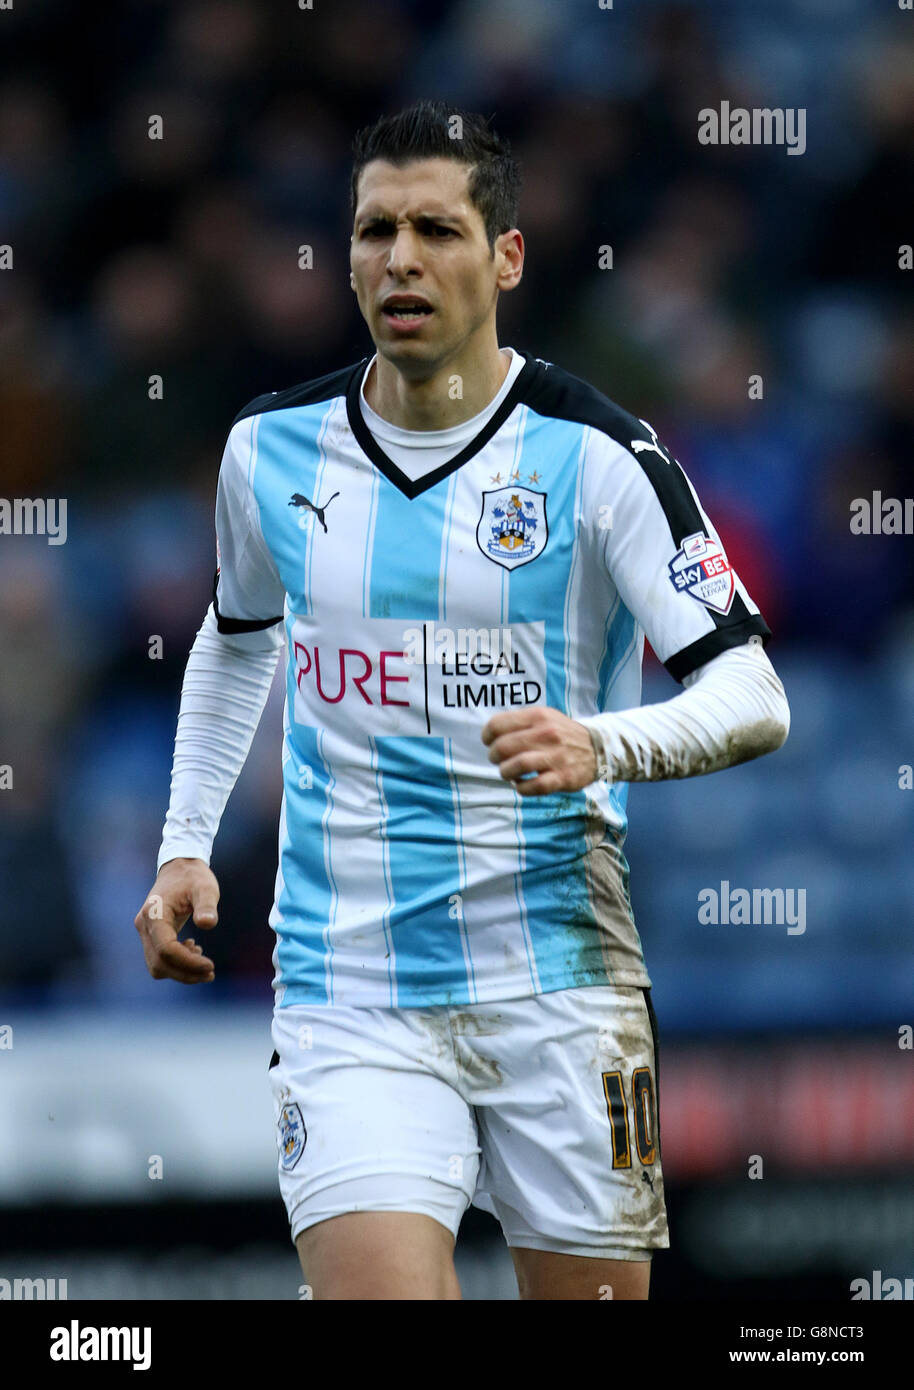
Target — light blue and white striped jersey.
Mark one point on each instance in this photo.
(524, 570)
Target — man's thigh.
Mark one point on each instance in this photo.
(542, 1274)
(378, 1255)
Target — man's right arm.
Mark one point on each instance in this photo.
(226, 683)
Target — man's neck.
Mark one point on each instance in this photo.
(439, 402)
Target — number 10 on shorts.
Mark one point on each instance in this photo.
(642, 1093)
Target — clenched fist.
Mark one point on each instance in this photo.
(544, 741)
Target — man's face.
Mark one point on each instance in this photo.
(425, 276)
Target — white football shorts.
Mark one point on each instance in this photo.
(542, 1111)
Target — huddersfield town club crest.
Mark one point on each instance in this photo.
(512, 529)
(292, 1136)
(701, 569)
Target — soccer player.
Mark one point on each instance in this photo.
(464, 547)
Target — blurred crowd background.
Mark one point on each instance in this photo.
(179, 258)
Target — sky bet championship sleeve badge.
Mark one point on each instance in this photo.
(512, 529)
(292, 1136)
(701, 569)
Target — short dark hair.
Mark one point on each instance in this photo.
(425, 130)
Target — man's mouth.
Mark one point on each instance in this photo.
(406, 310)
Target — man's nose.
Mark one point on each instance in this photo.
(404, 252)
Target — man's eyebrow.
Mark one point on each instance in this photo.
(426, 215)
(431, 216)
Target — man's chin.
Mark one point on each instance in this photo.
(410, 356)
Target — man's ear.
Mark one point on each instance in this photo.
(510, 246)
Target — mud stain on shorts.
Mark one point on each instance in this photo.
(477, 1068)
(467, 1023)
(627, 1042)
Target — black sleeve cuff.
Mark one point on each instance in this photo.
(683, 663)
(232, 625)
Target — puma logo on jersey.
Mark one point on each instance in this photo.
(641, 446)
(298, 501)
(646, 1177)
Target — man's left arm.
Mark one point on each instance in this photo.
(672, 574)
(733, 709)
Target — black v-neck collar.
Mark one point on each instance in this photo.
(395, 475)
